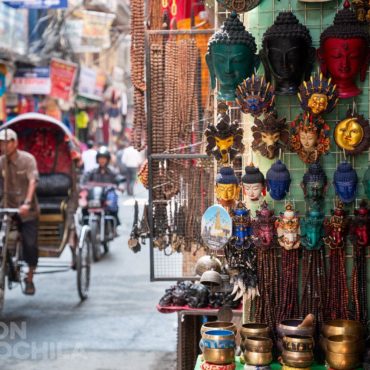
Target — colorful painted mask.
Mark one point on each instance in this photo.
(336, 228)
(278, 180)
(309, 137)
(287, 226)
(239, 6)
(242, 225)
(353, 134)
(264, 227)
(224, 141)
(318, 95)
(255, 96)
(227, 187)
(314, 185)
(366, 183)
(287, 53)
(253, 183)
(312, 230)
(360, 228)
(344, 52)
(231, 57)
(270, 135)
(345, 182)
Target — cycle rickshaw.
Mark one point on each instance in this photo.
(60, 225)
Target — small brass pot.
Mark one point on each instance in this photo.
(298, 343)
(290, 327)
(297, 359)
(258, 344)
(254, 330)
(340, 361)
(257, 358)
(344, 344)
(221, 325)
(219, 356)
(218, 339)
(343, 327)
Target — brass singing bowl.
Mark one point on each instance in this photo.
(290, 327)
(254, 330)
(343, 327)
(221, 325)
(344, 344)
(341, 361)
(298, 343)
(211, 279)
(217, 335)
(257, 358)
(258, 344)
(297, 359)
(219, 356)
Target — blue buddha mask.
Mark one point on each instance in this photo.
(278, 180)
(312, 230)
(345, 182)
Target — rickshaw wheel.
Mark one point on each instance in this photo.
(83, 265)
(95, 239)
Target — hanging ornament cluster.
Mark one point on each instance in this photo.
(239, 6)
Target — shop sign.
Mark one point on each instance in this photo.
(37, 4)
(91, 84)
(62, 76)
(28, 81)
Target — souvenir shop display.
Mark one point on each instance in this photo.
(224, 141)
(362, 10)
(270, 135)
(345, 182)
(336, 228)
(278, 180)
(227, 187)
(231, 57)
(366, 182)
(253, 183)
(287, 53)
(255, 96)
(345, 43)
(309, 137)
(352, 134)
(240, 5)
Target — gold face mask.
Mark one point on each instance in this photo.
(318, 103)
(224, 146)
(348, 134)
(227, 192)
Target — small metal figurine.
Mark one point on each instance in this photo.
(264, 227)
(287, 53)
(278, 180)
(318, 95)
(224, 141)
(231, 57)
(314, 185)
(344, 52)
(336, 228)
(288, 230)
(360, 228)
(255, 96)
(239, 6)
(242, 225)
(227, 187)
(309, 137)
(270, 135)
(253, 183)
(366, 182)
(312, 230)
(345, 182)
(353, 134)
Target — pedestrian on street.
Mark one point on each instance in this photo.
(131, 159)
(21, 181)
(89, 157)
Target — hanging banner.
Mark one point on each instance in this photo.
(91, 84)
(37, 4)
(62, 76)
(29, 81)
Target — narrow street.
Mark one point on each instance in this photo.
(118, 327)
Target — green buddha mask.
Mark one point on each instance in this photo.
(366, 182)
(231, 57)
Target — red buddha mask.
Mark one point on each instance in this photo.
(344, 52)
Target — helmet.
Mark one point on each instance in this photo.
(103, 152)
(90, 144)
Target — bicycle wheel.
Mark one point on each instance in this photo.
(3, 259)
(95, 239)
(83, 264)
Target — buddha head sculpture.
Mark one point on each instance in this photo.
(231, 57)
(227, 187)
(344, 52)
(312, 230)
(366, 182)
(353, 134)
(264, 227)
(255, 96)
(224, 141)
(242, 224)
(315, 184)
(278, 180)
(345, 182)
(270, 135)
(239, 6)
(309, 137)
(287, 53)
(318, 95)
(287, 226)
(253, 183)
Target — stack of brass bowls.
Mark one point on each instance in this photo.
(298, 351)
(257, 351)
(218, 346)
(292, 327)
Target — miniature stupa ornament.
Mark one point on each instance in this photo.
(239, 6)
(344, 52)
(287, 226)
(278, 180)
(227, 187)
(345, 182)
(287, 53)
(231, 57)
